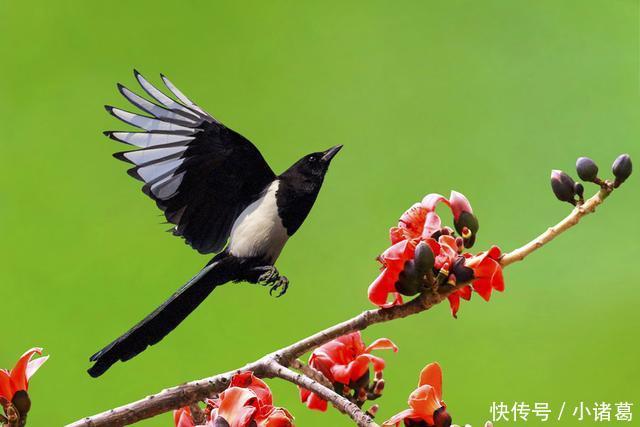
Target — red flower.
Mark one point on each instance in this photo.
(247, 402)
(182, 417)
(426, 405)
(420, 223)
(18, 378)
(344, 360)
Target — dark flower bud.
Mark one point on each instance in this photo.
(463, 273)
(467, 226)
(409, 282)
(441, 418)
(423, 259)
(621, 169)
(563, 186)
(22, 403)
(579, 189)
(587, 169)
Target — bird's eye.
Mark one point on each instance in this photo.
(312, 159)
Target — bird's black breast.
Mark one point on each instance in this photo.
(295, 198)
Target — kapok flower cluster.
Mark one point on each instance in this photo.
(247, 402)
(346, 363)
(425, 254)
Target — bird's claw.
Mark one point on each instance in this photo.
(269, 277)
(280, 287)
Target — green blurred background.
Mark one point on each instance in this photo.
(485, 97)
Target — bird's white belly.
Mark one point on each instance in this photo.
(258, 231)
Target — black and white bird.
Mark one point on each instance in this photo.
(220, 194)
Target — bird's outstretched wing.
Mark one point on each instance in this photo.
(199, 172)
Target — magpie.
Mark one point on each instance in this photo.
(220, 196)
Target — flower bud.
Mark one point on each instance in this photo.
(579, 189)
(467, 226)
(563, 186)
(587, 169)
(441, 418)
(462, 273)
(409, 282)
(621, 169)
(21, 402)
(423, 259)
(373, 410)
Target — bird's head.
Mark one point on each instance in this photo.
(315, 165)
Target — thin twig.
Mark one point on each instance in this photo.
(311, 372)
(589, 206)
(196, 391)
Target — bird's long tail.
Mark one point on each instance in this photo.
(163, 319)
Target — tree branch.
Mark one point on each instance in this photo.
(276, 364)
(572, 219)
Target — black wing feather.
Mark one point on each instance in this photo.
(200, 173)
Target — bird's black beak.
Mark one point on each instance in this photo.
(330, 153)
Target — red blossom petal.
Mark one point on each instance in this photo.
(482, 287)
(459, 204)
(237, 406)
(454, 303)
(465, 292)
(321, 362)
(182, 417)
(34, 365)
(431, 225)
(313, 401)
(397, 234)
(494, 252)
(6, 390)
(381, 344)
(276, 417)
(380, 289)
(424, 402)
(19, 380)
(250, 381)
(432, 375)
(497, 280)
(352, 343)
(352, 371)
(448, 251)
(396, 255)
(430, 201)
(412, 220)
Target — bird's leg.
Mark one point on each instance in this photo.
(267, 276)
